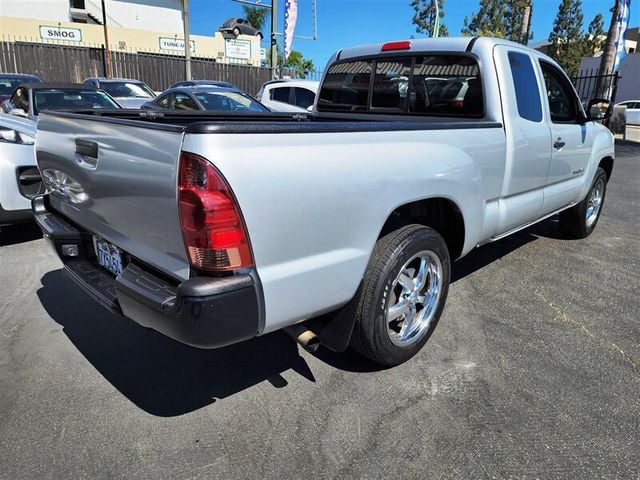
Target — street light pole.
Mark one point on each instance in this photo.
(107, 52)
(274, 42)
(187, 41)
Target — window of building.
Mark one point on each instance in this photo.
(526, 86)
(562, 101)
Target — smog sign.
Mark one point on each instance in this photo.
(237, 49)
(60, 33)
(175, 44)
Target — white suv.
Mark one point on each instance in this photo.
(288, 95)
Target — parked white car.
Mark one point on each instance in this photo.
(19, 176)
(129, 93)
(288, 95)
(632, 113)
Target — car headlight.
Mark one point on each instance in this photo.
(13, 136)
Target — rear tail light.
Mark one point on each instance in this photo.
(214, 233)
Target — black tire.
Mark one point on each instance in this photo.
(372, 333)
(574, 222)
(236, 31)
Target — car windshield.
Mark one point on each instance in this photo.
(127, 89)
(69, 99)
(229, 101)
(9, 84)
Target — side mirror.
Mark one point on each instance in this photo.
(599, 109)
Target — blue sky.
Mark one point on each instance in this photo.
(344, 23)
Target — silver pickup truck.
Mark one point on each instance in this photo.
(339, 226)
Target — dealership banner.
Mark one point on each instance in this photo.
(624, 6)
(290, 18)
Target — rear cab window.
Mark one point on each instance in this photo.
(423, 84)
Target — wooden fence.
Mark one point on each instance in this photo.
(70, 63)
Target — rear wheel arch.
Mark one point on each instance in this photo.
(440, 213)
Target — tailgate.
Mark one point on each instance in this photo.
(117, 181)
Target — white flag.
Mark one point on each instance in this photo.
(290, 18)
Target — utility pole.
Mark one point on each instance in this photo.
(107, 52)
(187, 40)
(274, 43)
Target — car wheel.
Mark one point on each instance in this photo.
(402, 295)
(236, 31)
(260, 35)
(581, 219)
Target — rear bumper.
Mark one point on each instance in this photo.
(204, 312)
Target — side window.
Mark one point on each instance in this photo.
(526, 87)
(346, 87)
(391, 84)
(304, 97)
(164, 100)
(281, 94)
(184, 102)
(562, 102)
(20, 99)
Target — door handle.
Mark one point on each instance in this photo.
(558, 144)
(87, 154)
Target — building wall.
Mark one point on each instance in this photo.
(154, 15)
(128, 39)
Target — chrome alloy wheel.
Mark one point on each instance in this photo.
(413, 298)
(594, 202)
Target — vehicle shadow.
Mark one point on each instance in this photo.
(19, 233)
(166, 378)
(159, 375)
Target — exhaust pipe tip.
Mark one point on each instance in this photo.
(305, 337)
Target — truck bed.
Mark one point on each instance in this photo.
(272, 122)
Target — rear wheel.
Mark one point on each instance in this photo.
(580, 220)
(402, 295)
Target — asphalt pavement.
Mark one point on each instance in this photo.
(533, 372)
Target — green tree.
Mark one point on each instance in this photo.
(594, 39)
(517, 20)
(567, 39)
(425, 15)
(299, 64)
(256, 16)
(296, 64)
(488, 21)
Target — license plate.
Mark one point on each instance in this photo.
(109, 256)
